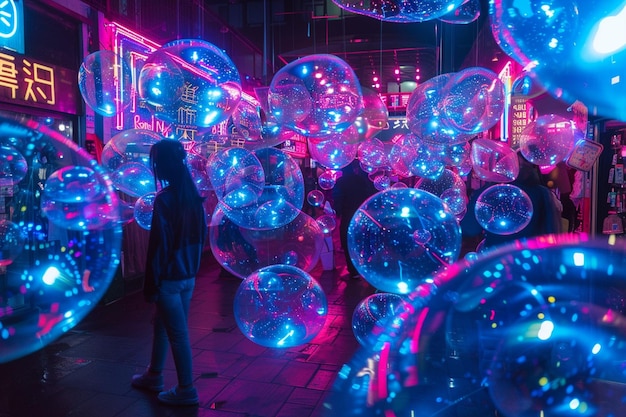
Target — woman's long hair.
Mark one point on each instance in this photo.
(167, 158)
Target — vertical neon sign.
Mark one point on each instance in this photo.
(506, 78)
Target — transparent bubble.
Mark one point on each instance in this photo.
(237, 177)
(371, 152)
(425, 115)
(371, 312)
(425, 160)
(197, 165)
(76, 198)
(12, 240)
(448, 180)
(280, 306)
(457, 200)
(13, 165)
(494, 161)
(402, 156)
(467, 12)
(548, 140)
(316, 95)
(405, 11)
(564, 42)
(327, 222)
(211, 88)
(474, 100)
(127, 156)
(242, 251)
(247, 120)
(535, 325)
(161, 81)
(52, 277)
(503, 209)
(315, 198)
(282, 189)
(381, 238)
(381, 180)
(105, 81)
(327, 179)
(333, 152)
(526, 84)
(375, 115)
(144, 207)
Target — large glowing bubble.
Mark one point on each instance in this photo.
(281, 194)
(474, 100)
(534, 325)
(371, 313)
(398, 237)
(316, 95)
(565, 42)
(127, 156)
(503, 209)
(105, 81)
(211, 90)
(494, 161)
(280, 306)
(402, 154)
(75, 198)
(242, 251)
(404, 11)
(56, 267)
(425, 114)
(548, 140)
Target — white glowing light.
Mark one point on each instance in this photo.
(545, 331)
(51, 275)
(610, 36)
(579, 259)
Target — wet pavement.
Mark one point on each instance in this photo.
(87, 371)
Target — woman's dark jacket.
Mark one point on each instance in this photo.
(177, 235)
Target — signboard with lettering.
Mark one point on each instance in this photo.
(520, 115)
(25, 81)
(12, 25)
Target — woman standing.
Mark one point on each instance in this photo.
(175, 246)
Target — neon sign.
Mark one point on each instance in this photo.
(36, 84)
(12, 25)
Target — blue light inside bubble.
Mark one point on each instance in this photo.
(404, 212)
(210, 118)
(156, 92)
(596, 348)
(51, 275)
(403, 288)
(574, 404)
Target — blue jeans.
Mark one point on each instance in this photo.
(170, 327)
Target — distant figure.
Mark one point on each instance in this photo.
(546, 218)
(177, 234)
(349, 192)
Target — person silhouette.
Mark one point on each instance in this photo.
(175, 246)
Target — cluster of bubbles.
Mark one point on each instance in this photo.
(406, 11)
(60, 237)
(533, 328)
